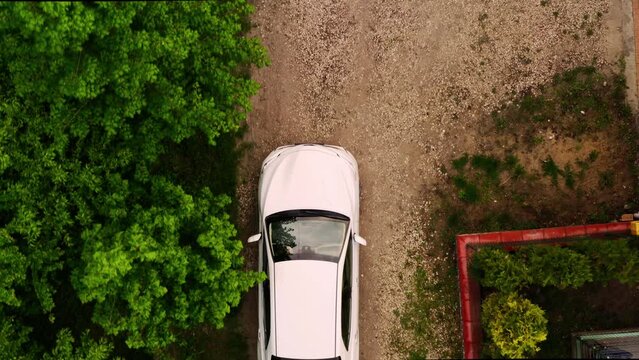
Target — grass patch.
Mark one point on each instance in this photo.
(431, 297)
(575, 103)
(437, 309)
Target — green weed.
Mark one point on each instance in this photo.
(460, 163)
(606, 179)
(532, 104)
(550, 168)
(501, 122)
(582, 98)
(488, 164)
(584, 164)
(569, 176)
(466, 191)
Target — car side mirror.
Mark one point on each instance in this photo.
(360, 240)
(254, 238)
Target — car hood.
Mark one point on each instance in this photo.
(308, 178)
(305, 315)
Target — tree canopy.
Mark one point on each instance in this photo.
(94, 243)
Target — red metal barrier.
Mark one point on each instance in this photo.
(469, 288)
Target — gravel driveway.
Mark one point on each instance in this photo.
(402, 85)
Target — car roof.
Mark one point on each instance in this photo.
(305, 298)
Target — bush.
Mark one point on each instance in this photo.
(531, 265)
(91, 95)
(496, 268)
(611, 260)
(556, 266)
(514, 326)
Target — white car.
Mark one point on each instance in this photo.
(309, 249)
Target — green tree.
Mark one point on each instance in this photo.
(514, 326)
(91, 95)
(88, 349)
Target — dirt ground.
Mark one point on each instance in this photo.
(403, 86)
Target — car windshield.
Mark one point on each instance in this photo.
(307, 237)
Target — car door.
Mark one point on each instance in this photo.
(264, 334)
(346, 319)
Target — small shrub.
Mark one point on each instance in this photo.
(556, 266)
(611, 260)
(496, 268)
(514, 326)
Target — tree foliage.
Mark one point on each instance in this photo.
(513, 325)
(88, 350)
(91, 94)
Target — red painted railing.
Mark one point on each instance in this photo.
(469, 288)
